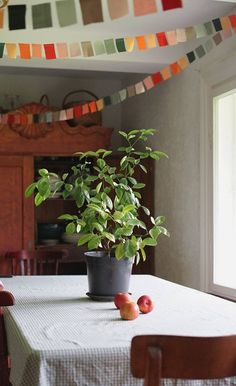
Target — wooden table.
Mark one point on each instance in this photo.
(57, 336)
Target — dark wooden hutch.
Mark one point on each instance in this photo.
(20, 145)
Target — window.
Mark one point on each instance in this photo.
(223, 262)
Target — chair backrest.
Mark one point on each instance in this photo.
(35, 262)
(182, 357)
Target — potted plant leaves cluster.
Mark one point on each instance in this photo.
(109, 213)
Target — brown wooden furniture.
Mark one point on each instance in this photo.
(161, 356)
(20, 144)
(36, 262)
(24, 148)
(6, 299)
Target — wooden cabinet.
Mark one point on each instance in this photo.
(16, 214)
(23, 149)
(19, 146)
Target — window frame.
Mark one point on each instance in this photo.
(209, 92)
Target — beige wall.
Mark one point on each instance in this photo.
(173, 109)
(30, 86)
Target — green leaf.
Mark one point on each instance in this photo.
(119, 251)
(124, 231)
(128, 208)
(143, 168)
(146, 210)
(66, 217)
(94, 242)
(64, 176)
(109, 236)
(164, 231)
(154, 233)
(43, 172)
(38, 199)
(139, 186)
(106, 153)
(84, 239)
(123, 134)
(149, 241)
(129, 249)
(101, 163)
(159, 220)
(98, 187)
(30, 189)
(70, 228)
(143, 254)
(98, 226)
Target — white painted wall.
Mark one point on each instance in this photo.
(30, 87)
(173, 109)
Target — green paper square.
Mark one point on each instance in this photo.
(99, 47)
(41, 15)
(107, 100)
(123, 94)
(200, 31)
(191, 57)
(120, 45)
(2, 45)
(200, 51)
(209, 28)
(115, 98)
(110, 46)
(66, 12)
(209, 45)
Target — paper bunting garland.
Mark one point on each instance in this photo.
(91, 11)
(118, 97)
(62, 50)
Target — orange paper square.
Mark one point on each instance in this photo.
(24, 51)
(165, 72)
(93, 106)
(175, 68)
(141, 43)
(36, 50)
(11, 50)
(225, 23)
(183, 62)
(144, 7)
(100, 104)
(171, 37)
(1, 18)
(62, 50)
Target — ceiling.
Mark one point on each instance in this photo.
(193, 12)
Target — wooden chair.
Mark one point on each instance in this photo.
(35, 262)
(163, 356)
(6, 299)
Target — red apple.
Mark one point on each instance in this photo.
(120, 298)
(145, 304)
(1, 286)
(129, 310)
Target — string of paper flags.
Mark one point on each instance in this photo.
(110, 46)
(141, 87)
(91, 10)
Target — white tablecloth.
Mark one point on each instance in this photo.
(57, 336)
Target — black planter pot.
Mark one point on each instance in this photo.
(107, 275)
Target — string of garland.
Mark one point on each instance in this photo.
(120, 96)
(68, 14)
(110, 46)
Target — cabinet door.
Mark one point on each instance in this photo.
(17, 213)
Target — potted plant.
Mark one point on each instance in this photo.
(109, 208)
